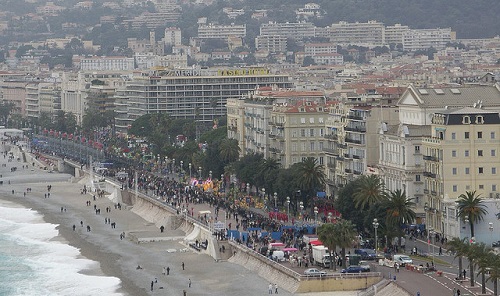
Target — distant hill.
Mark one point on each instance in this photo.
(469, 18)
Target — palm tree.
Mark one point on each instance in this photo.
(229, 150)
(481, 252)
(474, 253)
(346, 235)
(327, 234)
(460, 248)
(471, 208)
(370, 191)
(311, 175)
(490, 263)
(399, 211)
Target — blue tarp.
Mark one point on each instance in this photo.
(276, 235)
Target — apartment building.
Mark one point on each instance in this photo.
(271, 44)
(199, 94)
(298, 31)
(107, 64)
(369, 34)
(173, 36)
(394, 34)
(215, 31)
(328, 59)
(405, 162)
(426, 38)
(312, 49)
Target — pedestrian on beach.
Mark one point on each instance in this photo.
(275, 288)
(182, 265)
(74, 227)
(81, 223)
(270, 288)
(152, 284)
(189, 283)
(168, 270)
(163, 270)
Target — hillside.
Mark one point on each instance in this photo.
(470, 19)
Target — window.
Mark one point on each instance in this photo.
(467, 171)
(455, 188)
(311, 132)
(479, 119)
(312, 146)
(454, 153)
(453, 136)
(417, 178)
(454, 171)
(466, 135)
(481, 170)
(492, 135)
(320, 120)
(481, 186)
(494, 187)
(303, 133)
(466, 120)
(311, 120)
(479, 152)
(493, 171)
(479, 135)
(466, 153)
(467, 187)
(417, 149)
(493, 152)
(302, 120)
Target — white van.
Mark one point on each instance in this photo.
(402, 259)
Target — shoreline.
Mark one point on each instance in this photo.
(119, 258)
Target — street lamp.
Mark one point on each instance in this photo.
(173, 165)
(199, 173)
(431, 232)
(287, 206)
(330, 217)
(301, 206)
(248, 188)
(181, 168)
(491, 231)
(375, 226)
(275, 199)
(189, 165)
(210, 175)
(316, 215)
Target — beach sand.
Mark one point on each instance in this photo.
(119, 258)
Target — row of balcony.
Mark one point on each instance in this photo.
(359, 129)
(278, 124)
(331, 136)
(353, 141)
(356, 117)
(432, 192)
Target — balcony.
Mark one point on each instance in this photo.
(272, 136)
(330, 165)
(349, 140)
(342, 146)
(349, 171)
(329, 150)
(232, 128)
(429, 174)
(426, 191)
(356, 117)
(356, 156)
(358, 129)
(331, 136)
(339, 158)
(431, 158)
(434, 193)
(346, 155)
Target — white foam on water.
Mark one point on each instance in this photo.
(33, 264)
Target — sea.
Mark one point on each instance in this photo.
(35, 261)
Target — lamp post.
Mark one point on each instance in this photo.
(375, 226)
(199, 173)
(181, 167)
(248, 188)
(431, 234)
(490, 227)
(287, 206)
(190, 175)
(264, 196)
(301, 206)
(173, 165)
(330, 217)
(275, 199)
(210, 174)
(316, 220)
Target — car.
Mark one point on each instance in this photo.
(366, 254)
(314, 272)
(364, 265)
(353, 269)
(402, 259)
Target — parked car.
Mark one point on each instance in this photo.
(402, 259)
(364, 265)
(366, 254)
(352, 269)
(314, 272)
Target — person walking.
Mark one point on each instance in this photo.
(163, 271)
(464, 273)
(189, 283)
(152, 284)
(440, 251)
(275, 288)
(182, 265)
(168, 270)
(270, 288)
